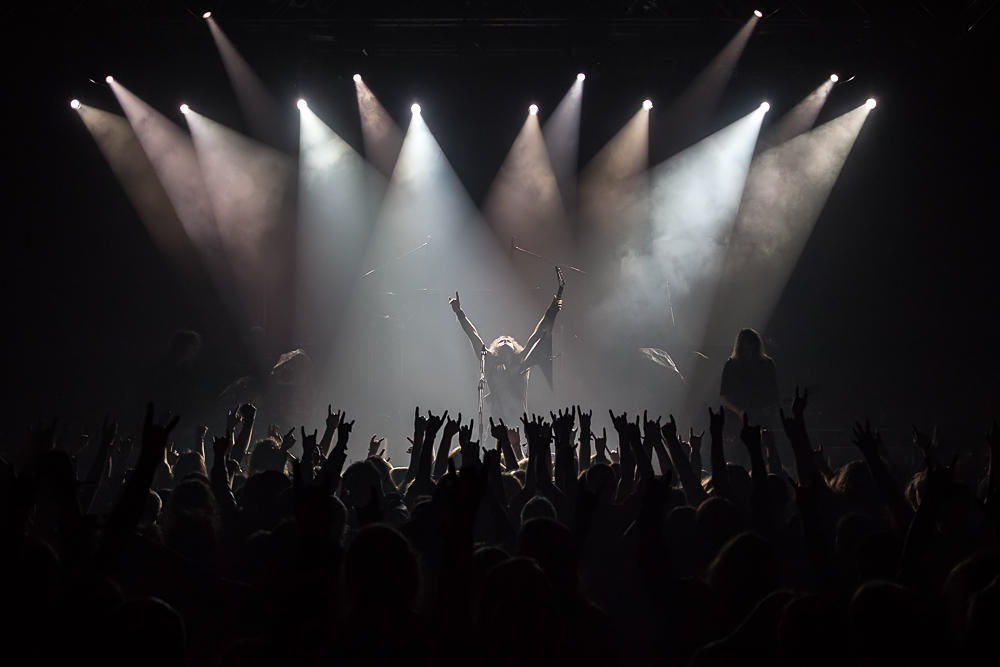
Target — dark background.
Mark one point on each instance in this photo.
(893, 305)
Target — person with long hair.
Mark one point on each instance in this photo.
(749, 380)
(508, 362)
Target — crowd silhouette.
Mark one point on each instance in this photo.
(162, 549)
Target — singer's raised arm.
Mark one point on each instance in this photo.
(467, 326)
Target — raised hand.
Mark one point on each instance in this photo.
(451, 427)
(274, 432)
(434, 423)
(601, 446)
(795, 426)
(499, 431)
(155, 437)
(716, 422)
(288, 440)
(865, 439)
(455, 304)
(220, 446)
(585, 421)
(373, 446)
(668, 430)
(172, 454)
(248, 411)
(332, 418)
(470, 448)
(750, 435)
(652, 429)
(694, 442)
(619, 422)
(419, 422)
(563, 426)
(233, 419)
(344, 431)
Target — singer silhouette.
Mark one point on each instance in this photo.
(508, 362)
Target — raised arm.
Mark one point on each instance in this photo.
(467, 326)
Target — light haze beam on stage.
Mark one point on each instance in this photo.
(259, 108)
(251, 187)
(798, 120)
(524, 202)
(613, 188)
(171, 153)
(381, 135)
(562, 139)
(335, 215)
(687, 118)
(400, 344)
(121, 148)
(786, 190)
(667, 278)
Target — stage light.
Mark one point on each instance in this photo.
(764, 106)
(834, 78)
(74, 104)
(415, 108)
(357, 78)
(533, 109)
(206, 15)
(870, 103)
(185, 108)
(109, 78)
(581, 76)
(758, 13)
(647, 105)
(302, 105)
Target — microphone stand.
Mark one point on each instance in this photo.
(482, 387)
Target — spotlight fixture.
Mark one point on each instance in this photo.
(357, 78)
(302, 105)
(185, 108)
(206, 15)
(74, 104)
(834, 78)
(759, 14)
(870, 103)
(415, 108)
(581, 76)
(109, 78)
(764, 106)
(647, 105)
(533, 109)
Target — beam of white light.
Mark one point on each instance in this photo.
(259, 107)
(533, 110)
(415, 108)
(524, 202)
(404, 297)
(334, 214)
(74, 104)
(121, 148)
(172, 155)
(109, 79)
(562, 139)
(381, 135)
(613, 196)
(870, 103)
(800, 119)
(647, 105)
(834, 78)
(687, 118)
(786, 190)
(251, 188)
(759, 14)
(302, 105)
(668, 279)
